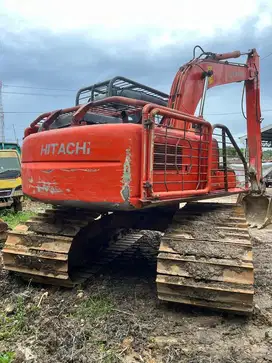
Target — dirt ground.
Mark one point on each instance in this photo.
(116, 317)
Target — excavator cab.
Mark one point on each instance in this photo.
(121, 87)
(118, 87)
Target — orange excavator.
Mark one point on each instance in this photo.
(127, 159)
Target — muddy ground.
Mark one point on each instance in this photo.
(116, 317)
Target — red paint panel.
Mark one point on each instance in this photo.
(94, 175)
(98, 172)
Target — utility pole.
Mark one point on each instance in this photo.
(15, 136)
(2, 121)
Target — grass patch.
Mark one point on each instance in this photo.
(7, 357)
(97, 306)
(12, 218)
(15, 322)
(108, 355)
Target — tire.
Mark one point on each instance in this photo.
(17, 205)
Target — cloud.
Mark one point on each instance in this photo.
(119, 19)
(35, 53)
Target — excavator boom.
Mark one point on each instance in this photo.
(189, 88)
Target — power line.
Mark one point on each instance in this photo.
(43, 88)
(268, 55)
(2, 118)
(207, 114)
(232, 113)
(19, 112)
(33, 94)
(55, 95)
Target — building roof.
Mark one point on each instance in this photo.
(266, 136)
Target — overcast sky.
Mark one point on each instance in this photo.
(63, 46)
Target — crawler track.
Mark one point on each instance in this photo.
(205, 258)
(52, 247)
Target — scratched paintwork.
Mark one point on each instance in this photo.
(46, 186)
(75, 170)
(47, 171)
(71, 170)
(126, 177)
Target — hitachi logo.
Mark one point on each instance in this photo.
(70, 148)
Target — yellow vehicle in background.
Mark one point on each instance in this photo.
(11, 194)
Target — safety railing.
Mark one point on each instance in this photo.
(111, 106)
(176, 157)
(123, 87)
(229, 167)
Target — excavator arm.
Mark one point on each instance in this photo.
(198, 75)
(189, 89)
